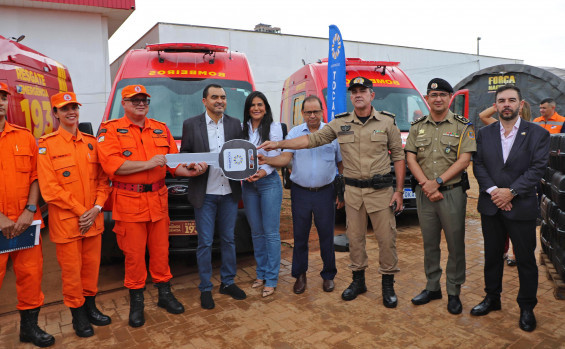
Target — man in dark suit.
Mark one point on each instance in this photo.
(511, 158)
(213, 196)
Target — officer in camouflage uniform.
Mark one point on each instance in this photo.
(438, 150)
(365, 137)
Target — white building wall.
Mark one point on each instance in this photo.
(77, 40)
(274, 57)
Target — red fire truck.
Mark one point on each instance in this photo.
(33, 78)
(394, 92)
(175, 75)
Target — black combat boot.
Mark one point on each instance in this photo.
(30, 332)
(80, 322)
(136, 306)
(389, 297)
(94, 315)
(167, 300)
(357, 286)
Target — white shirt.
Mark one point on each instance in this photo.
(507, 143)
(275, 134)
(217, 184)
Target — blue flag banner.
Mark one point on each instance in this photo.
(336, 96)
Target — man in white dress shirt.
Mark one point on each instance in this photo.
(213, 196)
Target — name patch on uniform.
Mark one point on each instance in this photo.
(102, 130)
(345, 127)
(42, 151)
(127, 153)
(66, 174)
(90, 146)
(158, 131)
(122, 130)
(101, 139)
(378, 131)
(343, 133)
(451, 134)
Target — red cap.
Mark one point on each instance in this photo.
(63, 98)
(4, 87)
(132, 90)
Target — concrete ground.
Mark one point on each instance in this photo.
(314, 319)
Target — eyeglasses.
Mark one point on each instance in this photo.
(312, 112)
(138, 101)
(438, 95)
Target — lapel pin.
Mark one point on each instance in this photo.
(523, 133)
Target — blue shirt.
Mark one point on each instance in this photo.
(316, 167)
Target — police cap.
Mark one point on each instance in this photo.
(360, 81)
(437, 84)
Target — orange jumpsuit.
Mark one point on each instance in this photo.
(18, 170)
(553, 124)
(72, 182)
(142, 218)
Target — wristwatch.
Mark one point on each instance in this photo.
(439, 181)
(31, 208)
(513, 192)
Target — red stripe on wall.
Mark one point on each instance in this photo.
(117, 4)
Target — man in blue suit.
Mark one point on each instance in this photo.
(511, 158)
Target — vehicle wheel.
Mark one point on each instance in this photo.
(286, 178)
(242, 234)
(111, 253)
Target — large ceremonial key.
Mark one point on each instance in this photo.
(237, 159)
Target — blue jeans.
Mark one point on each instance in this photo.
(224, 208)
(262, 200)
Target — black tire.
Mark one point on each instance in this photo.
(111, 253)
(242, 234)
(286, 178)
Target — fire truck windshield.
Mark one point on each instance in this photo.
(405, 103)
(175, 100)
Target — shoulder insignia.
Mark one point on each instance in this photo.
(387, 113)
(461, 119)
(107, 122)
(159, 122)
(49, 135)
(19, 127)
(340, 115)
(421, 118)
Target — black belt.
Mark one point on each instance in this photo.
(449, 187)
(313, 189)
(139, 188)
(377, 182)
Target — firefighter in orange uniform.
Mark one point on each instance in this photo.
(19, 192)
(74, 185)
(132, 152)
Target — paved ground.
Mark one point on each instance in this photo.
(316, 319)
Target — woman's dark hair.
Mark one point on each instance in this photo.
(265, 125)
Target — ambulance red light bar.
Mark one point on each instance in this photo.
(186, 47)
(360, 62)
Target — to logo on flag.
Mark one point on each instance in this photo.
(336, 46)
